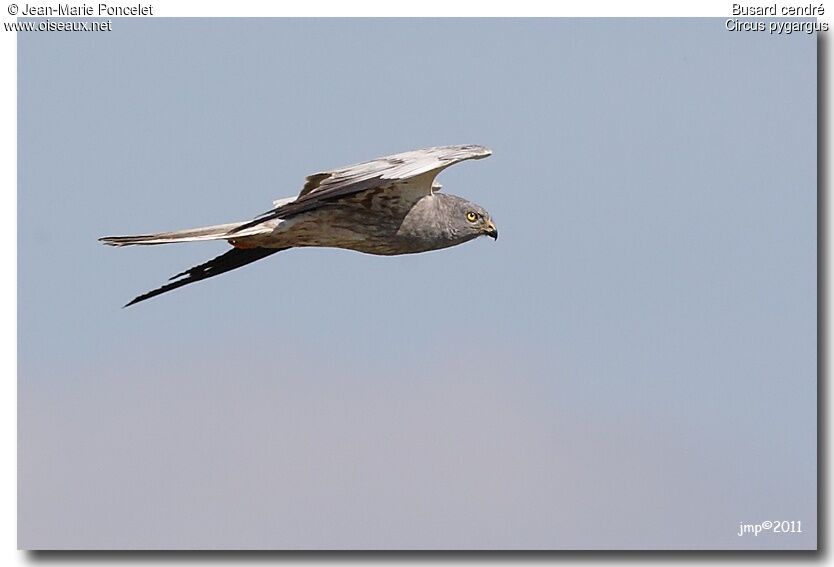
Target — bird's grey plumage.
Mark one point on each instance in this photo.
(385, 206)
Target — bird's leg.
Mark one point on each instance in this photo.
(242, 244)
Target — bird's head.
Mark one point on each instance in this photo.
(442, 220)
(471, 220)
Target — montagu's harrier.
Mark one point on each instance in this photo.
(385, 206)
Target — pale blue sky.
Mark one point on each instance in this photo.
(632, 364)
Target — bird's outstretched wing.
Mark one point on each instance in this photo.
(406, 165)
(412, 171)
(234, 258)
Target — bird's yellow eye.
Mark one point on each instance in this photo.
(471, 217)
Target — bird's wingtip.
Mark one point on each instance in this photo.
(482, 151)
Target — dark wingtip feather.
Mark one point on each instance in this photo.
(234, 258)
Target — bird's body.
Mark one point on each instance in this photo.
(387, 206)
(375, 221)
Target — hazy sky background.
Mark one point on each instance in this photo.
(632, 364)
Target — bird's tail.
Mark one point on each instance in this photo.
(216, 232)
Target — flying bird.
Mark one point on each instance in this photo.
(385, 206)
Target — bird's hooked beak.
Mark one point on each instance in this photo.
(491, 230)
